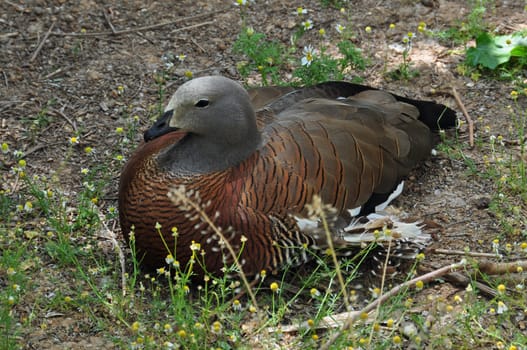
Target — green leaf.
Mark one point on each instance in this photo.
(491, 51)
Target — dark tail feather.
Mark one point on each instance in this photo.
(435, 115)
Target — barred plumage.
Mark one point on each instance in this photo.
(254, 160)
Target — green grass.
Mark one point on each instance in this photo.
(58, 257)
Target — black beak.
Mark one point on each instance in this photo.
(160, 127)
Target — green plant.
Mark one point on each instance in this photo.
(405, 71)
(493, 51)
(265, 57)
(465, 31)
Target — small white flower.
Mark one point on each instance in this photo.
(181, 57)
(339, 28)
(501, 307)
(307, 24)
(301, 11)
(309, 54)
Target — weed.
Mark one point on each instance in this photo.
(265, 57)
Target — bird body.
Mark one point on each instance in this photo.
(254, 160)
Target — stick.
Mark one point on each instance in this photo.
(464, 253)
(107, 18)
(60, 113)
(336, 320)
(150, 27)
(39, 47)
(351, 316)
(470, 123)
(491, 268)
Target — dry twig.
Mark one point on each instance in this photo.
(107, 18)
(470, 123)
(463, 253)
(349, 317)
(149, 27)
(44, 39)
(502, 268)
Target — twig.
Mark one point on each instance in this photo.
(110, 234)
(470, 123)
(107, 18)
(52, 74)
(39, 47)
(8, 35)
(150, 27)
(5, 79)
(60, 113)
(198, 45)
(463, 253)
(492, 268)
(351, 316)
(456, 278)
(348, 317)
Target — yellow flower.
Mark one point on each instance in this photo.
(301, 11)
(167, 328)
(514, 94)
(397, 340)
(182, 333)
(67, 299)
(236, 305)
(501, 288)
(74, 140)
(419, 285)
(274, 287)
(135, 326)
(392, 26)
(22, 163)
(88, 150)
(216, 327)
(322, 31)
(28, 207)
(188, 74)
(367, 29)
(5, 147)
(314, 337)
(119, 130)
(314, 292)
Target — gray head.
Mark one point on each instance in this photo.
(213, 106)
(220, 121)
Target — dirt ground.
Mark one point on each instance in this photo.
(85, 80)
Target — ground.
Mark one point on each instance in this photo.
(83, 81)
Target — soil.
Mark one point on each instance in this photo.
(83, 80)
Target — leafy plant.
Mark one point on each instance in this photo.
(266, 57)
(491, 51)
(469, 29)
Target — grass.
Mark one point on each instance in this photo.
(60, 267)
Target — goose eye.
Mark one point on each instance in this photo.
(202, 103)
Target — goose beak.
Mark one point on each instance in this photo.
(160, 127)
